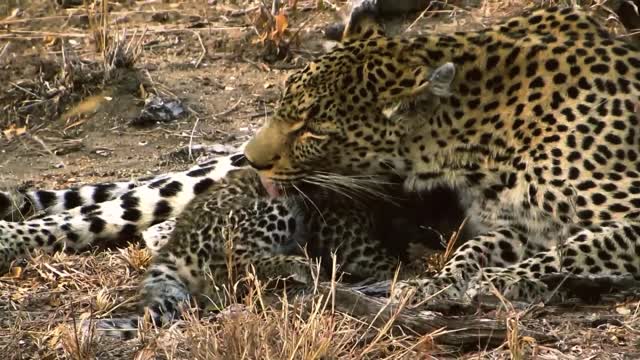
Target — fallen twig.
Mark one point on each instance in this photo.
(45, 33)
(469, 330)
(233, 108)
(204, 50)
(590, 288)
(195, 125)
(465, 331)
(243, 12)
(4, 49)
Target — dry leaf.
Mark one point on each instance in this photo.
(15, 14)
(623, 310)
(16, 272)
(51, 41)
(13, 131)
(281, 23)
(281, 26)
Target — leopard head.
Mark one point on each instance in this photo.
(343, 113)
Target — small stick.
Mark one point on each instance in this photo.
(259, 66)
(25, 90)
(48, 33)
(191, 138)
(229, 110)
(323, 3)
(80, 14)
(204, 49)
(239, 13)
(4, 49)
(36, 138)
(419, 17)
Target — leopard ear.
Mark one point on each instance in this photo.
(363, 23)
(441, 79)
(410, 82)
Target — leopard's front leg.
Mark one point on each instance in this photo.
(499, 248)
(611, 248)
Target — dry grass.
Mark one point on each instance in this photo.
(41, 303)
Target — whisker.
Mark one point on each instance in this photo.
(348, 192)
(311, 201)
(354, 180)
(341, 188)
(356, 195)
(284, 190)
(358, 178)
(329, 186)
(356, 185)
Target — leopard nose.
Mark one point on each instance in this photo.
(262, 165)
(262, 151)
(267, 166)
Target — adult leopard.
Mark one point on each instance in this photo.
(533, 122)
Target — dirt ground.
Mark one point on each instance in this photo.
(67, 121)
(196, 54)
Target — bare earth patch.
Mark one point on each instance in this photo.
(72, 113)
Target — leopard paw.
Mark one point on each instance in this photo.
(508, 285)
(424, 290)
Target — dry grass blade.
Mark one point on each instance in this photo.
(437, 261)
(123, 53)
(78, 341)
(138, 258)
(117, 49)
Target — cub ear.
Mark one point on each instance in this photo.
(363, 23)
(413, 81)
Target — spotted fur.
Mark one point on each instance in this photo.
(533, 122)
(90, 222)
(20, 204)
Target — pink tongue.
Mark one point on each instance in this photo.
(271, 187)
